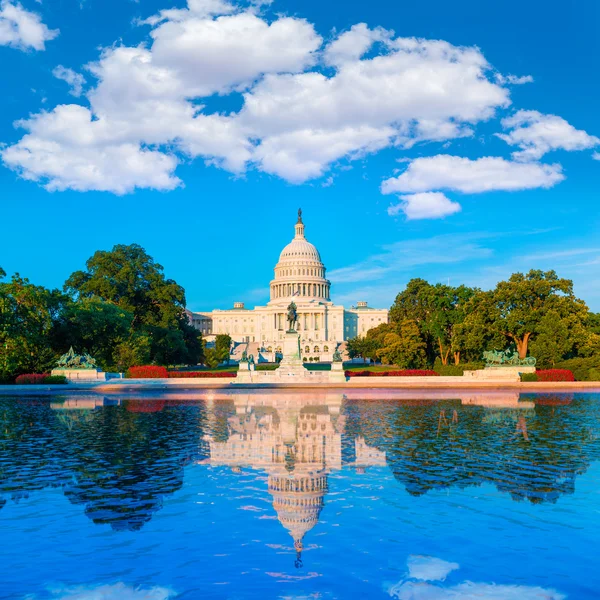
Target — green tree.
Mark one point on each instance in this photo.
(406, 349)
(28, 317)
(94, 326)
(513, 312)
(135, 350)
(437, 310)
(130, 279)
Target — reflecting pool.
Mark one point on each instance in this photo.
(376, 494)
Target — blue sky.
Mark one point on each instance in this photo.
(197, 130)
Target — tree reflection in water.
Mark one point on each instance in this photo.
(120, 461)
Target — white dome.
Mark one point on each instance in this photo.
(299, 249)
(299, 273)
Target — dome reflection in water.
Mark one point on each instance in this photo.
(183, 493)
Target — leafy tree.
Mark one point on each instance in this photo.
(437, 310)
(406, 349)
(130, 279)
(515, 309)
(133, 351)
(95, 326)
(28, 316)
(557, 337)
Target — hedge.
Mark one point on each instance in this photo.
(40, 379)
(555, 375)
(403, 373)
(208, 374)
(147, 372)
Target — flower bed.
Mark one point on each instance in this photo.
(208, 374)
(147, 372)
(40, 379)
(555, 375)
(403, 373)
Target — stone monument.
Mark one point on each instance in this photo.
(337, 374)
(503, 365)
(291, 363)
(78, 367)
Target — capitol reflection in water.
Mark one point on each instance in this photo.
(297, 440)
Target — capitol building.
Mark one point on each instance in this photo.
(300, 276)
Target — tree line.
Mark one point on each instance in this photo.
(121, 309)
(535, 314)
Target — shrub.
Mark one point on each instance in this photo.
(456, 370)
(267, 366)
(56, 379)
(403, 373)
(147, 372)
(580, 367)
(594, 374)
(555, 375)
(40, 378)
(31, 379)
(205, 374)
(529, 377)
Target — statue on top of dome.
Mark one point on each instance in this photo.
(292, 316)
(299, 215)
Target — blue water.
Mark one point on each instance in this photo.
(277, 495)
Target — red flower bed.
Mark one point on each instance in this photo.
(31, 379)
(144, 406)
(555, 375)
(147, 372)
(403, 373)
(554, 399)
(210, 374)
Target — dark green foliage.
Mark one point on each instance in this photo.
(56, 379)
(581, 367)
(121, 310)
(456, 370)
(529, 377)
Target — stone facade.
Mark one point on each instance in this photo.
(300, 276)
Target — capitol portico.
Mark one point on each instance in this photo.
(300, 276)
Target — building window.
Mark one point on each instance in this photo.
(307, 350)
(325, 348)
(316, 348)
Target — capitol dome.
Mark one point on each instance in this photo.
(299, 273)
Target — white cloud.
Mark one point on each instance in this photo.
(429, 568)
(303, 107)
(468, 590)
(536, 134)
(425, 205)
(118, 591)
(596, 156)
(353, 44)
(66, 149)
(23, 29)
(445, 172)
(75, 80)
(217, 55)
(513, 79)
(416, 90)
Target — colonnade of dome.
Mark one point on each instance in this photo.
(300, 273)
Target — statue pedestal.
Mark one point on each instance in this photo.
(337, 373)
(507, 373)
(244, 375)
(291, 365)
(81, 374)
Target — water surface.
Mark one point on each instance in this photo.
(300, 495)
